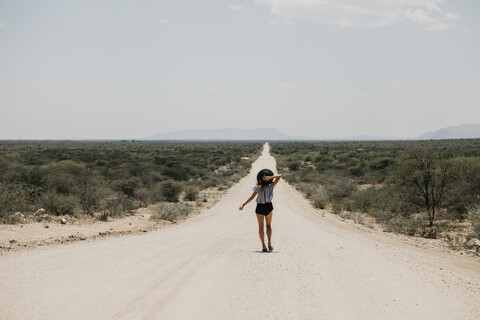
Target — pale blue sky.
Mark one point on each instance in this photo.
(130, 69)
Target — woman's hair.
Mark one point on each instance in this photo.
(259, 188)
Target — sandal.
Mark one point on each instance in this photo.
(264, 250)
(270, 247)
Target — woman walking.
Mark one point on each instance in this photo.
(266, 181)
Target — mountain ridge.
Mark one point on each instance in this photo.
(462, 131)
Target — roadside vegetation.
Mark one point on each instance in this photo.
(112, 178)
(424, 188)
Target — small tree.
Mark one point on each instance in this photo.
(425, 176)
(171, 190)
(90, 193)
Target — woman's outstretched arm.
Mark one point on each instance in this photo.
(277, 178)
(249, 199)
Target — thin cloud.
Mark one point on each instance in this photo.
(418, 16)
(2, 25)
(431, 5)
(356, 13)
(451, 16)
(236, 7)
(162, 21)
(438, 26)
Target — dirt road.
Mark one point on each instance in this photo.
(211, 267)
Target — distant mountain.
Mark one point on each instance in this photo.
(463, 131)
(223, 134)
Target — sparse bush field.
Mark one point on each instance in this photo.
(422, 188)
(65, 177)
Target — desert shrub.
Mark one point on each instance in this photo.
(307, 189)
(178, 173)
(113, 204)
(64, 176)
(364, 200)
(338, 188)
(355, 216)
(104, 215)
(210, 183)
(170, 190)
(337, 206)
(171, 211)
(381, 164)
(319, 200)
(32, 176)
(463, 192)
(13, 198)
(126, 204)
(406, 225)
(128, 186)
(474, 216)
(92, 190)
(142, 195)
(356, 171)
(155, 192)
(294, 166)
(307, 175)
(191, 194)
(58, 204)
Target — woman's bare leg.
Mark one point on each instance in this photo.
(268, 220)
(260, 218)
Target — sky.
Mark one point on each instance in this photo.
(118, 69)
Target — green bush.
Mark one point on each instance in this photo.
(294, 166)
(319, 200)
(91, 191)
(308, 189)
(31, 176)
(170, 190)
(191, 194)
(210, 183)
(128, 186)
(64, 176)
(338, 188)
(58, 204)
(14, 198)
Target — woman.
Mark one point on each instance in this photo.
(266, 181)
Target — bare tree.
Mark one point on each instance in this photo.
(426, 176)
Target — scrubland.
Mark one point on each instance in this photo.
(43, 179)
(427, 189)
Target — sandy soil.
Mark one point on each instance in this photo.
(30, 235)
(211, 267)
